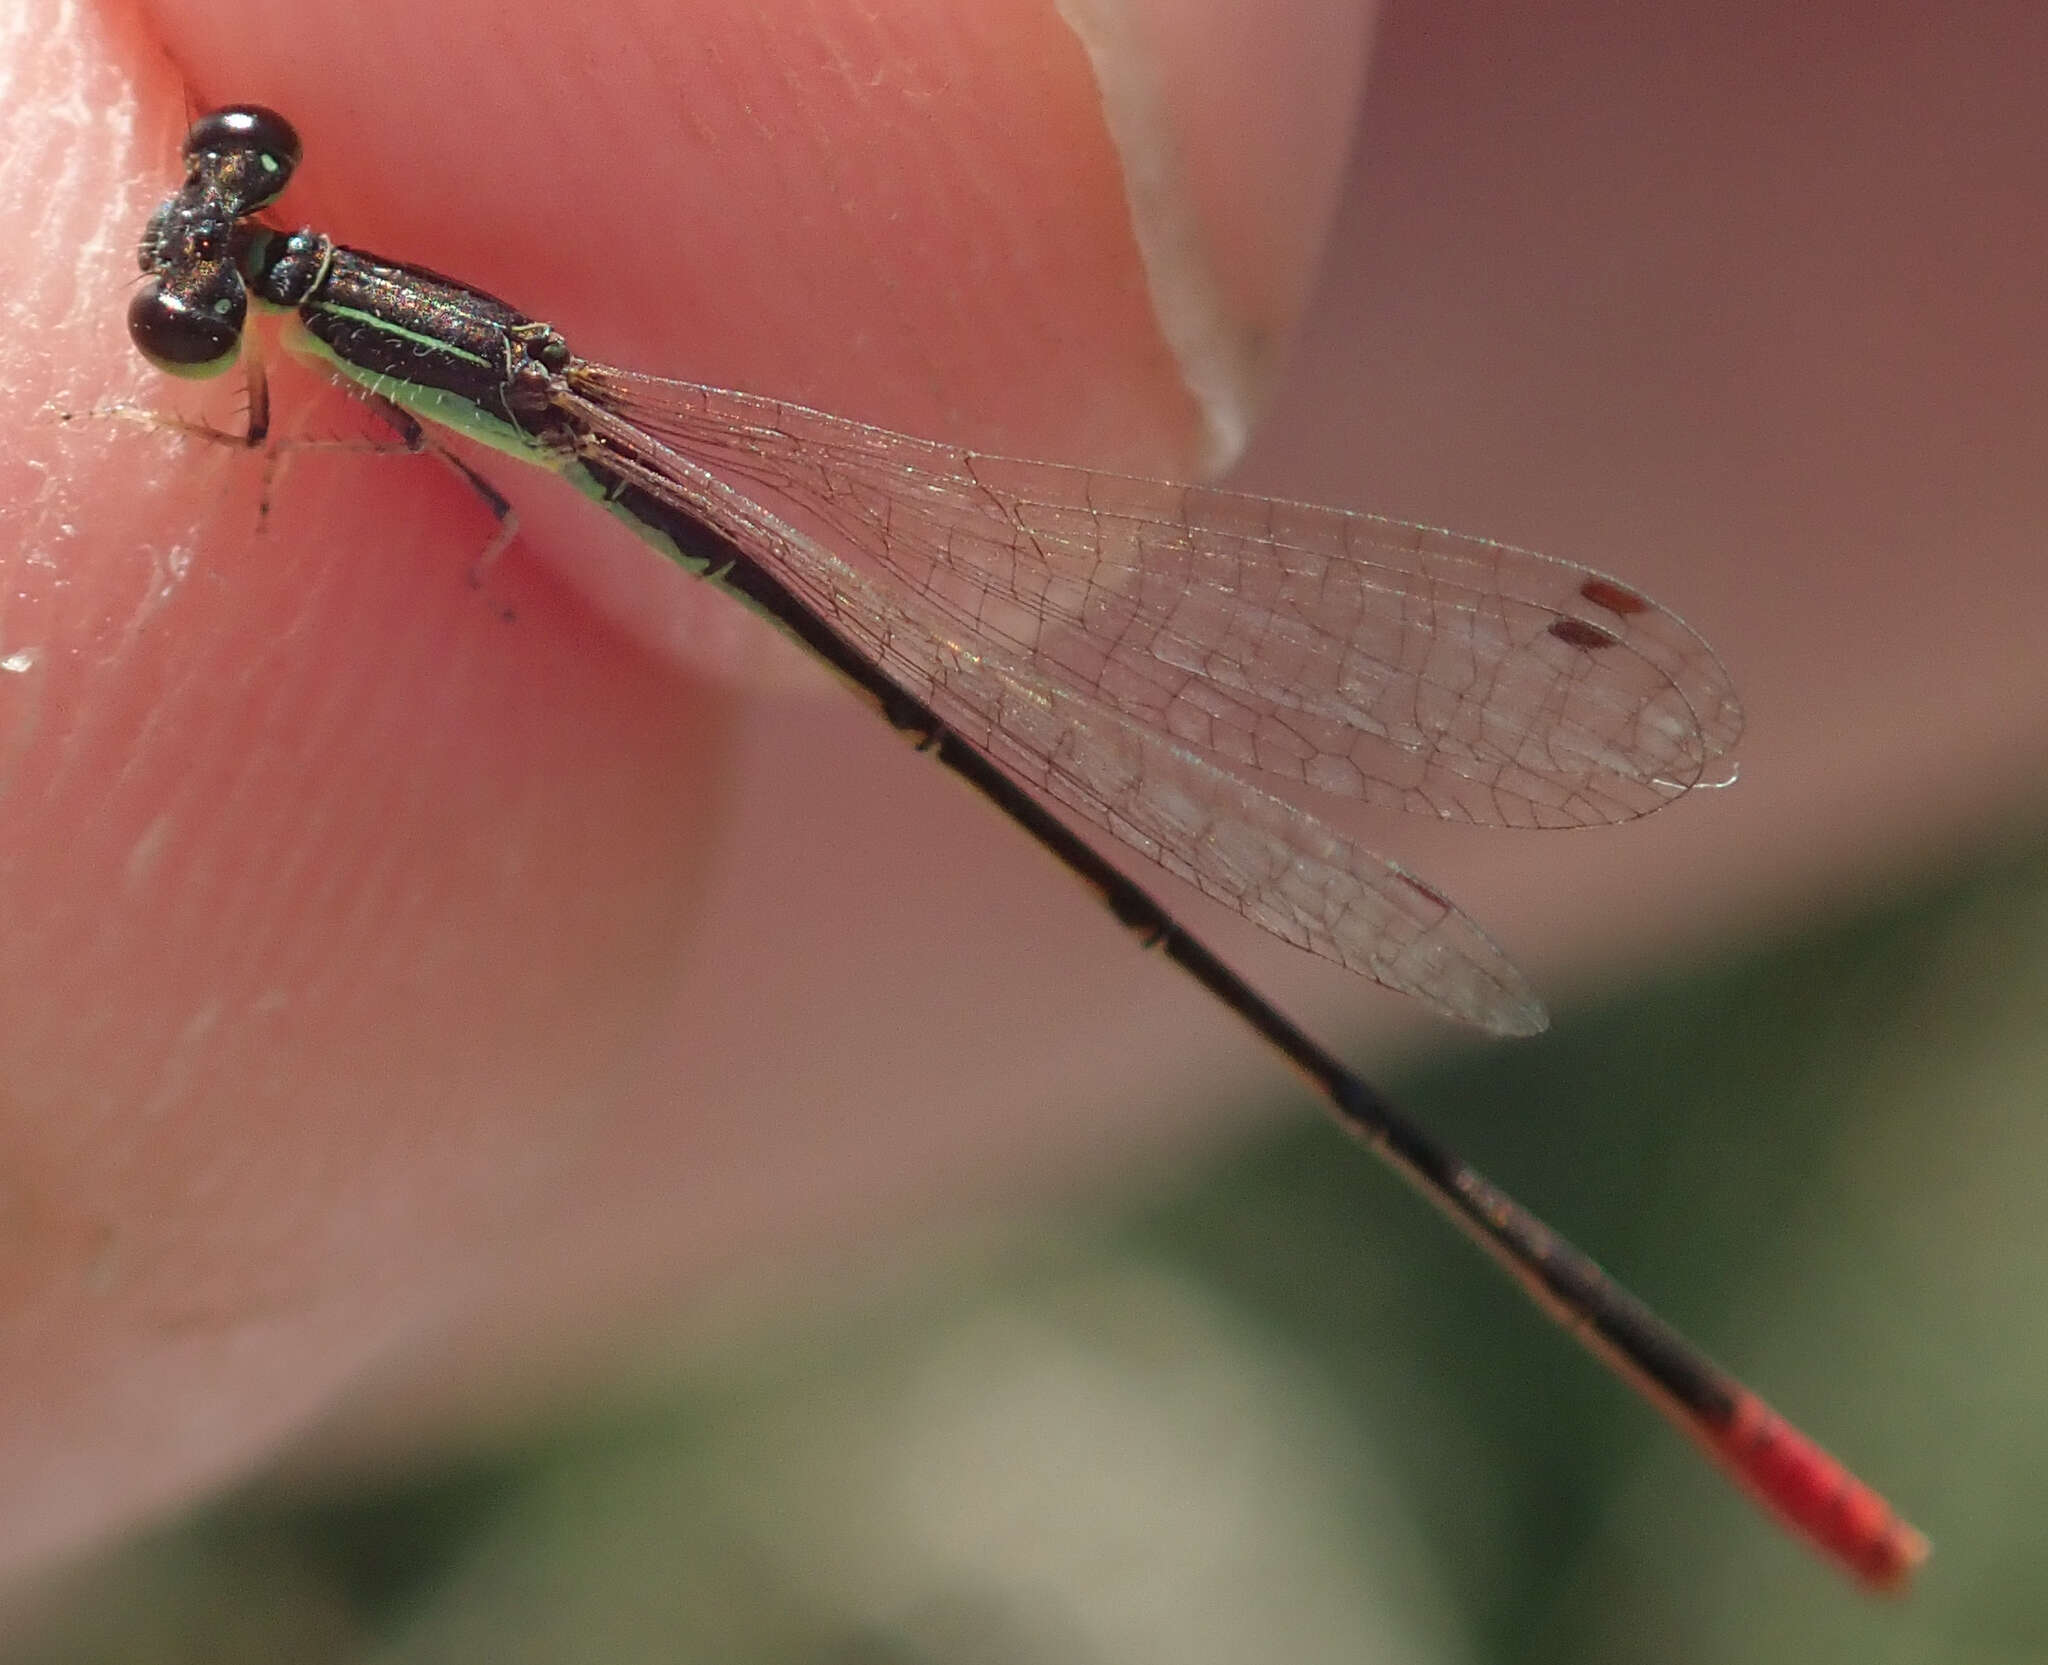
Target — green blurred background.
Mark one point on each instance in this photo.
(1276, 1410)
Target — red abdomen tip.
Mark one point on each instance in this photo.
(1818, 1497)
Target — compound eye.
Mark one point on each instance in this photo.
(194, 329)
(255, 146)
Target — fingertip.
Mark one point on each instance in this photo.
(1072, 230)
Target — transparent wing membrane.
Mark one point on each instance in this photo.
(1270, 860)
(1358, 656)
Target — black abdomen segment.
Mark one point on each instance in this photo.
(1567, 1283)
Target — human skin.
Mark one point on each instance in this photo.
(354, 911)
(401, 978)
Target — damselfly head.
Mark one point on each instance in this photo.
(188, 316)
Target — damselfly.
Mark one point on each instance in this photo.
(1129, 649)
